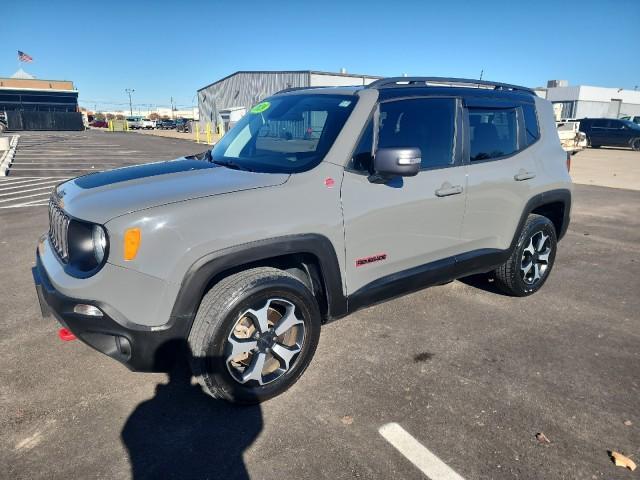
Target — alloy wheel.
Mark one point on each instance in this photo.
(535, 258)
(264, 342)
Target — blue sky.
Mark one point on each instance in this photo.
(171, 48)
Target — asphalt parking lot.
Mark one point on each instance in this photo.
(471, 374)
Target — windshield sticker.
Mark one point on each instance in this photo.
(261, 107)
(344, 103)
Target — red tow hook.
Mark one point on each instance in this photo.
(65, 335)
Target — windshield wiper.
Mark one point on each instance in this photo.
(231, 165)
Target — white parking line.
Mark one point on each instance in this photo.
(24, 196)
(416, 453)
(28, 185)
(49, 188)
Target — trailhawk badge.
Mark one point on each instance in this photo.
(361, 262)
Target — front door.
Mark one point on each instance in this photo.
(411, 221)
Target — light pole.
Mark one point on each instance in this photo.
(130, 91)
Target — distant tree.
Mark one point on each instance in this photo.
(110, 116)
(154, 116)
(165, 117)
(99, 116)
(119, 117)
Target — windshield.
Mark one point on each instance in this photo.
(285, 134)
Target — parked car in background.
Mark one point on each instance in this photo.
(99, 124)
(611, 132)
(571, 138)
(134, 123)
(183, 125)
(634, 119)
(3, 121)
(167, 124)
(147, 124)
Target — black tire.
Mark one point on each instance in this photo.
(635, 144)
(509, 276)
(220, 310)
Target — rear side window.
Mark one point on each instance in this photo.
(493, 132)
(530, 123)
(426, 123)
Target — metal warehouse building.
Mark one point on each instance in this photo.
(240, 90)
(583, 101)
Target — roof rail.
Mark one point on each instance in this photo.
(457, 82)
(291, 89)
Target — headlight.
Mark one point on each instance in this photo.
(88, 248)
(99, 243)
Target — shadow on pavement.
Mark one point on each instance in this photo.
(483, 281)
(183, 433)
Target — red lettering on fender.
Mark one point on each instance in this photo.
(361, 262)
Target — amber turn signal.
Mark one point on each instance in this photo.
(131, 243)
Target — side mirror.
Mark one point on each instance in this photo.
(396, 162)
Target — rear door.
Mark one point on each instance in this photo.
(412, 221)
(502, 170)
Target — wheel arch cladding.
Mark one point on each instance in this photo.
(312, 255)
(554, 204)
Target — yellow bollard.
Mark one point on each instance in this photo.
(208, 133)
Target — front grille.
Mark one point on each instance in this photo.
(58, 227)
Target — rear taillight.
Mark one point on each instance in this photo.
(568, 161)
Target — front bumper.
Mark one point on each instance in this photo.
(140, 348)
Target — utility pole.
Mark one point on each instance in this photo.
(481, 73)
(130, 91)
(173, 115)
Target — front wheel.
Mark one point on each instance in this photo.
(530, 263)
(254, 335)
(635, 144)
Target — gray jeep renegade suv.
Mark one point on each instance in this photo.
(318, 202)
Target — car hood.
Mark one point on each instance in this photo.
(99, 197)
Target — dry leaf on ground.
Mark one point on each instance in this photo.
(542, 438)
(622, 461)
(347, 420)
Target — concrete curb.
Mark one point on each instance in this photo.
(7, 157)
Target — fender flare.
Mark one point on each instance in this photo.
(562, 195)
(203, 270)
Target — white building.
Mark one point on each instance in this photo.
(583, 101)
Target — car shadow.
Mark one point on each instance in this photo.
(183, 433)
(603, 147)
(483, 281)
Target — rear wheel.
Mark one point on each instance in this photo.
(530, 263)
(635, 144)
(254, 335)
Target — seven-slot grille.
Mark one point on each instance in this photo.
(58, 227)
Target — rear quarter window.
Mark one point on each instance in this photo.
(493, 133)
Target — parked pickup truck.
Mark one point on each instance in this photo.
(571, 138)
(147, 124)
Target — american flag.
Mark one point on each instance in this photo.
(23, 57)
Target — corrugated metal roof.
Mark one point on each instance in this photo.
(308, 72)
